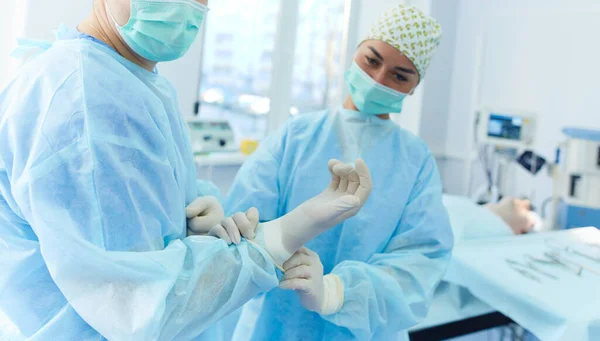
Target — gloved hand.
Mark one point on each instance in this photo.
(203, 213)
(347, 193)
(516, 213)
(205, 217)
(238, 225)
(304, 274)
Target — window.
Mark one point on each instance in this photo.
(240, 52)
(236, 68)
(318, 64)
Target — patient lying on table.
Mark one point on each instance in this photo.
(471, 221)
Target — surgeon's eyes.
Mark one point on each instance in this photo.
(400, 78)
(372, 61)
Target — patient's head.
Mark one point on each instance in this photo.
(516, 213)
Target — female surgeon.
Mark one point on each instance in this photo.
(372, 277)
(96, 171)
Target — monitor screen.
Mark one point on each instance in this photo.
(505, 127)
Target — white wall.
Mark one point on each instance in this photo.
(438, 81)
(8, 30)
(541, 55)
(42, 16)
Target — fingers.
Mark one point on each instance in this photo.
(220, 232)
(304, 258)
(245, 228)
(298, 258)
(200, 205)
(301, 271)
(366, 183)
(205, 221)
(299, 284)
(353, 182)
(196, 207)
(232, 230)
(246, 223)
(203, 214)
(347, 179)
(335, 179)
(253, 215)
(200, 224)
(343, 171)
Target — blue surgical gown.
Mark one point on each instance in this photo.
(96, 170)
(390, 256)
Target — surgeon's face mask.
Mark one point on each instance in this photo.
(162, 30)
(371, 97)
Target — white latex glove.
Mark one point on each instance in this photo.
(203, 213)
(516, 213)
(238, 225)
(205, 217)
(304, 274)
(347, 193)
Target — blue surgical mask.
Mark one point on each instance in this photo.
(371, 97)
(162, 30)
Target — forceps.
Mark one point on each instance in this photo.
(556, 257)
(553, 244)
(523, 272)
(531, 266)
(551, 260)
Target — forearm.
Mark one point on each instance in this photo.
(183, 289)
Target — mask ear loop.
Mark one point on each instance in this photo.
(110, 15)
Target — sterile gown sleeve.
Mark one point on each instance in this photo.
(109, 215)
(396, 286)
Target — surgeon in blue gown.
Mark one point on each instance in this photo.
(385, 262)
(98, 188)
